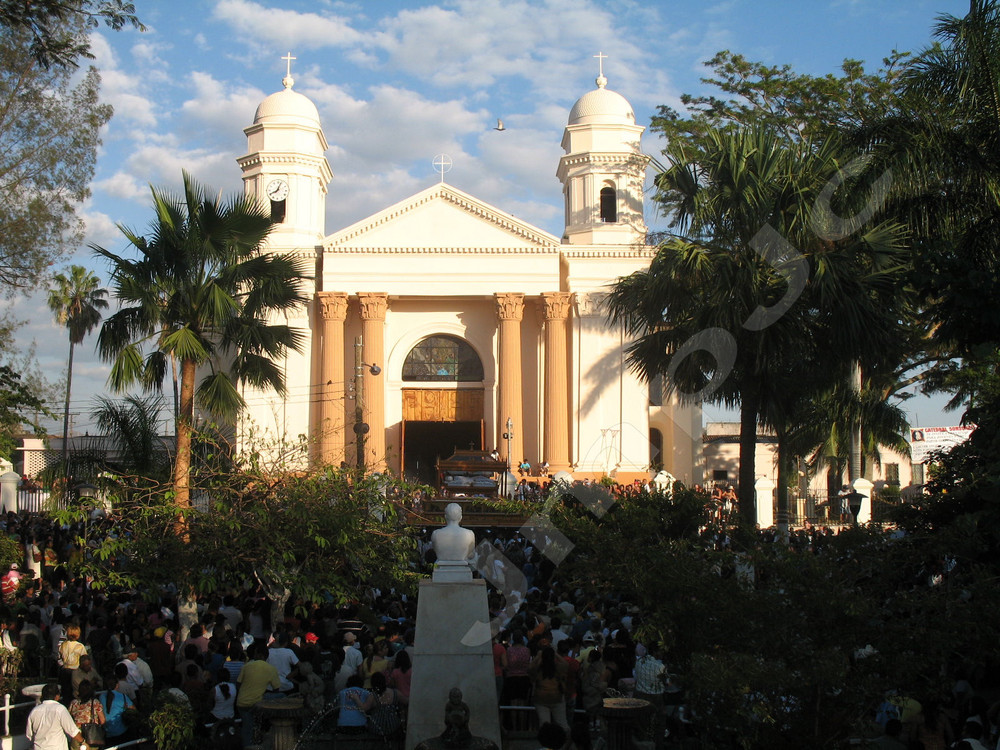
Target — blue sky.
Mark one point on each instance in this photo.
(398, 82)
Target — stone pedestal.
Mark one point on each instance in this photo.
(452, 648)
(8, 491)
(764, 491)
(864, 488)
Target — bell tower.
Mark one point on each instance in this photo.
(603, 170)
(286, 167)
(286, 170)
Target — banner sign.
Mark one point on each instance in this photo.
(927, 440)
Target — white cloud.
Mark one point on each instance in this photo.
(149, 52)
(101, 229)
(219, 103)
(120, 90)
(285, 27)
(395, 125)
(125, 186)
(356, 195)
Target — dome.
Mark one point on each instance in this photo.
(287, 106)
(602, 106)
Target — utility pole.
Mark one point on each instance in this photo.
(360, 428)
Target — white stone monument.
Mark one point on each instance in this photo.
(764, 492)
(864, 488)
(9, 483)
(452, 647)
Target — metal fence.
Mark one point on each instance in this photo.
(818, 509)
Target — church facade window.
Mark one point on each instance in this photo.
(655, 448)
(609, 205)
(442, 359)
(278, 211)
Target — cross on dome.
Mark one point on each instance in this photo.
(601, 80)
(288, 81)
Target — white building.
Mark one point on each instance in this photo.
(474, 317)
(721, 453)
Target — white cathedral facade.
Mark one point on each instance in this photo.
(443, 322)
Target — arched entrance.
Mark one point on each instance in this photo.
(443, 401)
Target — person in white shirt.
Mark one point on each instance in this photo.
(224, 706)
(135, 677)
(352, 654)
(49, 723)
(284, 660)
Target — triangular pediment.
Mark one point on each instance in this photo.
(440, 217)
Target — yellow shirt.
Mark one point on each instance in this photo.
(70, 653)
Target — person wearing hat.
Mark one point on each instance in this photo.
(591, 641)
(10, 582)
(161, 661)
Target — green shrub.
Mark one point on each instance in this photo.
(172, 726)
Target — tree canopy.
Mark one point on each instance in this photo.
(796, 105)
(50, 122)
(19, 406)
(756, 299)
(50, 25)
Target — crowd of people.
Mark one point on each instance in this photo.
(111, 656)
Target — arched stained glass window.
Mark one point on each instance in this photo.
(443, 359)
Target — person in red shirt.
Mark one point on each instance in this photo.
(10, 582)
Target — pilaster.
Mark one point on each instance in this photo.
(328, 425)
(374, 306)
(556, 381)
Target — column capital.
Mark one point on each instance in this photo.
(589, 304)
(373, 305)
(510, 305)
(556, 305)
(332, 305)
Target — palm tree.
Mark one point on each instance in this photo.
(204, 291)
(749, 304)
(132, 427)
(77, 300)
(943, 144)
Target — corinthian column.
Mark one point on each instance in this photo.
(328, 427)
(556, 381)
(510, 310)
(373, 309)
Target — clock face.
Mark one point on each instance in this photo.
(277, 190)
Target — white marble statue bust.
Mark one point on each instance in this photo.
(452, 543)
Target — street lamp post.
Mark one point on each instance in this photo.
(361, 427)
(508, 436)
(86, 494)
(854, 501)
